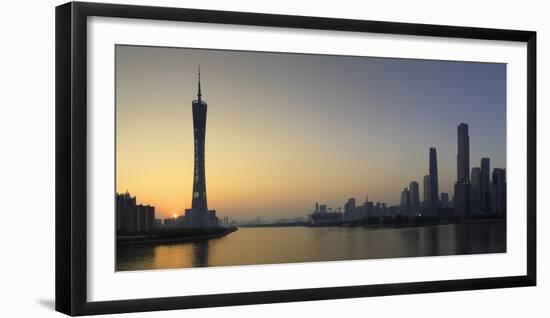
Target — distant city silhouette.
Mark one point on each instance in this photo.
(477, 197)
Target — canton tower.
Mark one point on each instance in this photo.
(199, 205)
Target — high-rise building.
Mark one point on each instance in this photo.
(462, 184)
(125, 205)
(498, 192)
(378, 209)
(475, 191)
(199, 215)
(369, 209)
(485, 196)
(349, 210)
(434, 188)
(463, 155)
(462, 198)
(132, 217)
(405, 202)
(445, 200)
(414, 197)
(426, 192)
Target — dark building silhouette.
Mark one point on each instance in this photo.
(124, 203)
(132, 217)
(498, 192)
(462, 185)
(433, 197)
(485, 196)
(426, 192)
(445, 200)
(349, 210)
(414, 197)
(199, 215)
(463, 155)
(405, 202)
(475, 191)
(321, 215)
(462, 198)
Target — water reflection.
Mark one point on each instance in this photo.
(200, 254)
(250, 246)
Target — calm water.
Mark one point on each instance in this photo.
(302, 244)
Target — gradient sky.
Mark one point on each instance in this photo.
(287, 130)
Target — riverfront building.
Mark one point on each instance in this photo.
(462, 185)
(132, 217)
(414, 198)
(498, 192)
(485, 196)
(475, 191)
(433, 194)
(426, 191)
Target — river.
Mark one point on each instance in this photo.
(272, 245)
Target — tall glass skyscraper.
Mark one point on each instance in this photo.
(462, 185)
(414, 197)
(485, 200)
(463, 154)
(434, 184)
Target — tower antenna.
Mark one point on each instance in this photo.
(199, 94)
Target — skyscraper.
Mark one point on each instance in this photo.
(198, 215)
(475, 190)
(462, 185)
(414, 197)
(463, 154)
(445, 200)
(426, 192)
(498, 192)
(434, 188)
(405, 202)
(485, 197)
(349, 210)
(462, 198)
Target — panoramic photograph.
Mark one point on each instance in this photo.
(228, 158)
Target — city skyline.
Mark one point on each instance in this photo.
(329, 149)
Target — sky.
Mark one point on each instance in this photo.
(285, 131)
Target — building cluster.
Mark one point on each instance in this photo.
(477, 192)
(432, 204)
(352, 211)
(133, 218)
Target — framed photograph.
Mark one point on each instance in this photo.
(344, 158)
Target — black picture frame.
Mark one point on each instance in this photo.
(71, 157)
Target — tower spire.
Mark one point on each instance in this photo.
(199, 93)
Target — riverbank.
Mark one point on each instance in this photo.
(175, 236)
(406, 223)
(374, 223)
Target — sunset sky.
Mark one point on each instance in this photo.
(287, 130)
